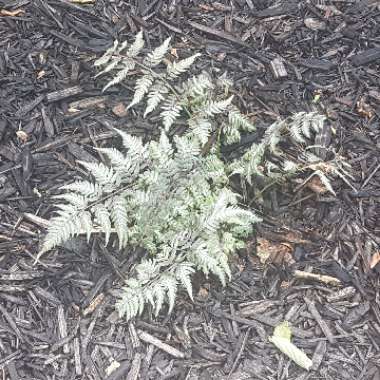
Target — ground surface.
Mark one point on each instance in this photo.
(56, 317)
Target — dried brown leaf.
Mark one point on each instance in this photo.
(375, 259)
(16, 12)
(270, 252)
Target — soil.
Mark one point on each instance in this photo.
(57, 318)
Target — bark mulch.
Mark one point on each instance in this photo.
(57, 319)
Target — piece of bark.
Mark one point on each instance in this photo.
(96, 101)
(218, 33)
(77, 358)
(318, 318)
(29, 106)
(341, 294)
(62, 327)
(318, 355)
(287, 8)
(48, 125)
(62, 94)
(79, 153)
(147, 338)
(317, 64)
(278, 68)
(366, 57)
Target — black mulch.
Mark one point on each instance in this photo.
(56, 316)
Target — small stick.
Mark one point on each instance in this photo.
(322, 324)
(161, 345)
(317, 277)
(62, 327)
(77, 358)
(134, 372)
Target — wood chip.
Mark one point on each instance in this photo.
(318, 318)
(63, 94)
(144, 336)
(278, 68)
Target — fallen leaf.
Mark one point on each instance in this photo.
(120, 110)
(16, 12)
(364, 109)
(174, 53)
(93, 305)
(315, 184)
(314, 24)
(23, 136)
(41, 74)
(277, 253)
(114, 365)
(282, 340)
(203, 293)
(375, 259)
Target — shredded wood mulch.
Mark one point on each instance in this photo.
(57, 319)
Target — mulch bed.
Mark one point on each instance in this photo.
(57, 319)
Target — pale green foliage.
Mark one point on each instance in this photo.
(202, 102)
(171, 197)
(282, 340)
(163, 197)
(295, 130)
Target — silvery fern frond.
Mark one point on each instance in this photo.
(297, 128)
(215, 107)
(158, 54)
(63, 227)
(137, 45)
(201, 128)
(237, 120)
(175, 69)
(273, 135)
(207, 262)
(111, 66)
(134, 145)
(197, 86)
(142, 87)
(155, 96)
(231, 134)
(104, 175)
(116, 158)
(103, 220)
(172, 204)
(107, 55)
(183, 273)
(301, 124)
(248, 165)
(171, 110)
(88, 189)
(169, 283)
(127, 65)
(119, 217)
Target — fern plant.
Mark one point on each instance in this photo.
(163, 197)
(172, 197)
